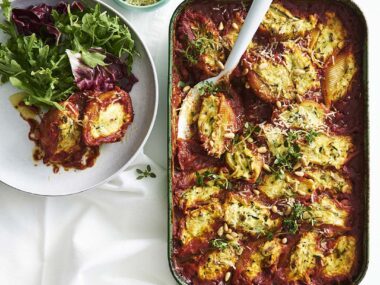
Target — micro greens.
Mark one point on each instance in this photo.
(145, 173)
(219, 180)
(310, 136)
(291, 223)
(219, 243)
(248, 130)
(269, 236)
(287, 160)
(209, 88)
(201, 44)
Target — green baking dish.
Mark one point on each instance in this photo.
(364, 197)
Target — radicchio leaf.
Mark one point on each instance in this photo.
(100, 78)
(38, 20)
(62, 7)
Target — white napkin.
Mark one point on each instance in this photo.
(97, 237)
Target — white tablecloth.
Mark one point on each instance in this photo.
(119, 236)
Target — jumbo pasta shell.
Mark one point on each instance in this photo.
(338, 76)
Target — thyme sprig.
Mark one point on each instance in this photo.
(145, 173)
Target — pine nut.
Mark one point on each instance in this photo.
(262, 149)
(229, 135)
(186, 89)
(227, 277)
(306, 216)
(221, 26)
(235, 26)
(288, 211)
(229, 237)
(299, 173)
(220, 231)
(266, 167)
(220, 64)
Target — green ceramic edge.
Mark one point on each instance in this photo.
(170, 154)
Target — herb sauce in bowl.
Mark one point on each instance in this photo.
(141, 5)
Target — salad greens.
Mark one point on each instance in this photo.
(35, 59)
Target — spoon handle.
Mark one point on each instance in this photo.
(252, 22)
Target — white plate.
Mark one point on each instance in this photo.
(17, 167)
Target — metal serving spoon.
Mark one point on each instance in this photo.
(252, 22)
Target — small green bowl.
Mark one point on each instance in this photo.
(151, 7)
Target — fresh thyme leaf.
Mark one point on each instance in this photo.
(218, 243)
(145, 173)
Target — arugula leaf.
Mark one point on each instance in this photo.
(7, 10)
(92, 59)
